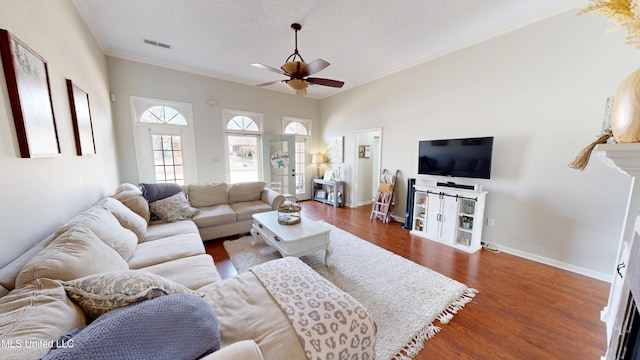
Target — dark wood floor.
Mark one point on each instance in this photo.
(525, 310)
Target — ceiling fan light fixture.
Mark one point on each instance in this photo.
(294, 67)
(297, 84)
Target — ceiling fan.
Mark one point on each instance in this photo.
(298, 71)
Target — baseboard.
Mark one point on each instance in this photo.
(558, 264)
(363, 203)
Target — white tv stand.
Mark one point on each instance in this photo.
(438, 214)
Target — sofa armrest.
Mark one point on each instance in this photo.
(271, 198)
(241, 350)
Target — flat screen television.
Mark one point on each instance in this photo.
(468, 157)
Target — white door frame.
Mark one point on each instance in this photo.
(357, 171)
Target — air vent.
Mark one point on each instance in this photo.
(156, 43)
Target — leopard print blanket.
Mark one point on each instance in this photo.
(330, 323)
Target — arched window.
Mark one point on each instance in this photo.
(296, 128)
(164, 141)
(242, 123)
(163, 115)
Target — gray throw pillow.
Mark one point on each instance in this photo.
(174, 208)
(100, 293)
(179, 326)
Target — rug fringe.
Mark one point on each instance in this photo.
(457, 305)
(416, 344)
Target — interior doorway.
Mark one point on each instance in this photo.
(367, 165)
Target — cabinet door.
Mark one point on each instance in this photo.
(434, 209)
(448, 219)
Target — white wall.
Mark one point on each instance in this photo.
(130, 78)
(540, 91)
(40, 194)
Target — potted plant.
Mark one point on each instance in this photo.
(467, 222)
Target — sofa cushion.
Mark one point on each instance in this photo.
(100, 293)
(178, 326)
(247, 191)
(167, 249)
(131, 196)
(164, 229)
(243, 299)
(3, 291)
(201, 195)
(173, 208)
(76, 253)
(245, 350)
(202, 271)
(38, 312)
(244, 210)
(215, 215)
(107, 228)
(9, 273)
(127, 217)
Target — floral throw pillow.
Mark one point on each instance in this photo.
(100, 293)
(174, 208)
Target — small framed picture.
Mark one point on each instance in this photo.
(364, 151)
(328, 175)
(321, 194)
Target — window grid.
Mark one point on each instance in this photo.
(301, 165)
(163, 115)
(167, 156)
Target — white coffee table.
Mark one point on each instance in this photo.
(305, 238)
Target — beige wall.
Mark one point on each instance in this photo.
(541, 92)
(40, 194)
(130, 78)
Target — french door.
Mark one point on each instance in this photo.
(279, 162)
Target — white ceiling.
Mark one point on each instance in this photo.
(362, 39)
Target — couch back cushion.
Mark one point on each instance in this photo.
(107, 228)
(247, 191)
(126, 217)
(37, 311)
(131, 196)
(76, 253)
(201, 195)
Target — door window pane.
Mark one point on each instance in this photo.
(167, 158)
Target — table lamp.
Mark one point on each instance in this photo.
(317, 160)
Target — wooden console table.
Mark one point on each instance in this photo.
(333, 196)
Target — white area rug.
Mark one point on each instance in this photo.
(403, 297)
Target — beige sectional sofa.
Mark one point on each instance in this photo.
(114, 237)
(226, 209)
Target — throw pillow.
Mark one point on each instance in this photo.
(100, 293)
(179, 326)
(174, 208)
(155, 192)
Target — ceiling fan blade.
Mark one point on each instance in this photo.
(270, 83)
(325, 82)
(302, 92)
(315, 66)
(267, 67)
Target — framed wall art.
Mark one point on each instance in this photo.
(335, 150)
(29, 90)
(81, 119)
(364, 151)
